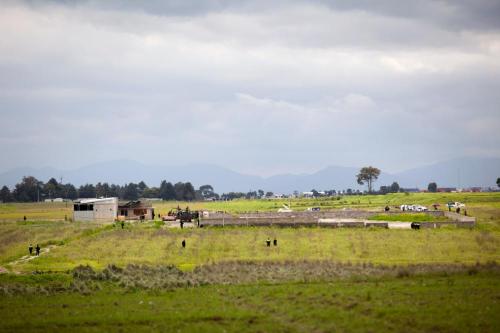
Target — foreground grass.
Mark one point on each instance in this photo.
(444, 302)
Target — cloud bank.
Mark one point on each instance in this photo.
(261, 88)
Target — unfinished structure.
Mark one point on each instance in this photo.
(104, 209)
(136, 210)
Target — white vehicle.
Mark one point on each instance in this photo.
(413, 208)
(456, 205)
(419, 208)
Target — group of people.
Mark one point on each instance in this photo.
(268, 242)
(457, 210)
(37, 249)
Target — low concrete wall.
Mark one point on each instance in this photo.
(459, 218)
(330, 219)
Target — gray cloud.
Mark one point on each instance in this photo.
(291, 86)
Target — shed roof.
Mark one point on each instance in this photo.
(95, 200)
(135, 204)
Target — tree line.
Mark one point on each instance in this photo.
(30, 189)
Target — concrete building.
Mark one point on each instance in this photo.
(104, 209)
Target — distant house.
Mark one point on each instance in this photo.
(410, 190)
(136, 210)
(474, 189)
(54, 200)
(104, 209)
(446, 189)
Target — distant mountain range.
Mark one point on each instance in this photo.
(462, 172)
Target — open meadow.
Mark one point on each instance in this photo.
(98, 276)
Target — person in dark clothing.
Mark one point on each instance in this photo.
(37, 249)
(465, 212)
(182, 225)
(268, 242)
(123, 224)
(449, 208)
(30, 248)
(275, 242)
(458, 210)
(24, 217)
(183, 243)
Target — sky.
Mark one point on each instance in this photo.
(260, 87)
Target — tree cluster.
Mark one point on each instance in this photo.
(30, 189)
(432, 187)
(393, 188)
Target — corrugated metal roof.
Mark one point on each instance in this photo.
(94, 200)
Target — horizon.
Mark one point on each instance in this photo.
(456, 173)
(313, 171)
(256, 87)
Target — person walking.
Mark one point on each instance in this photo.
(275, 242)
(123, 224)
(37, 249)
(30, 248)
(183, 243)
(268, 242)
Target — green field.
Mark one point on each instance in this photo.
(423, 303)
(316, 279)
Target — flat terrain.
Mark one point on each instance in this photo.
(426, 303)
(316, 279)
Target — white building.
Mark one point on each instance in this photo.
(104, 209)
(55, 200)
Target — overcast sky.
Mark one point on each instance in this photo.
(260, 88)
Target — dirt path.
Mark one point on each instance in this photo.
(43, 251)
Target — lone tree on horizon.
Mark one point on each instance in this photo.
(368, 175)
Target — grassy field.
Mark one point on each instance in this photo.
(227, 279)
(148, 244)
(408, 217)
(457, 302)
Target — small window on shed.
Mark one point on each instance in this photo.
(91, 207)
(76, 208)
